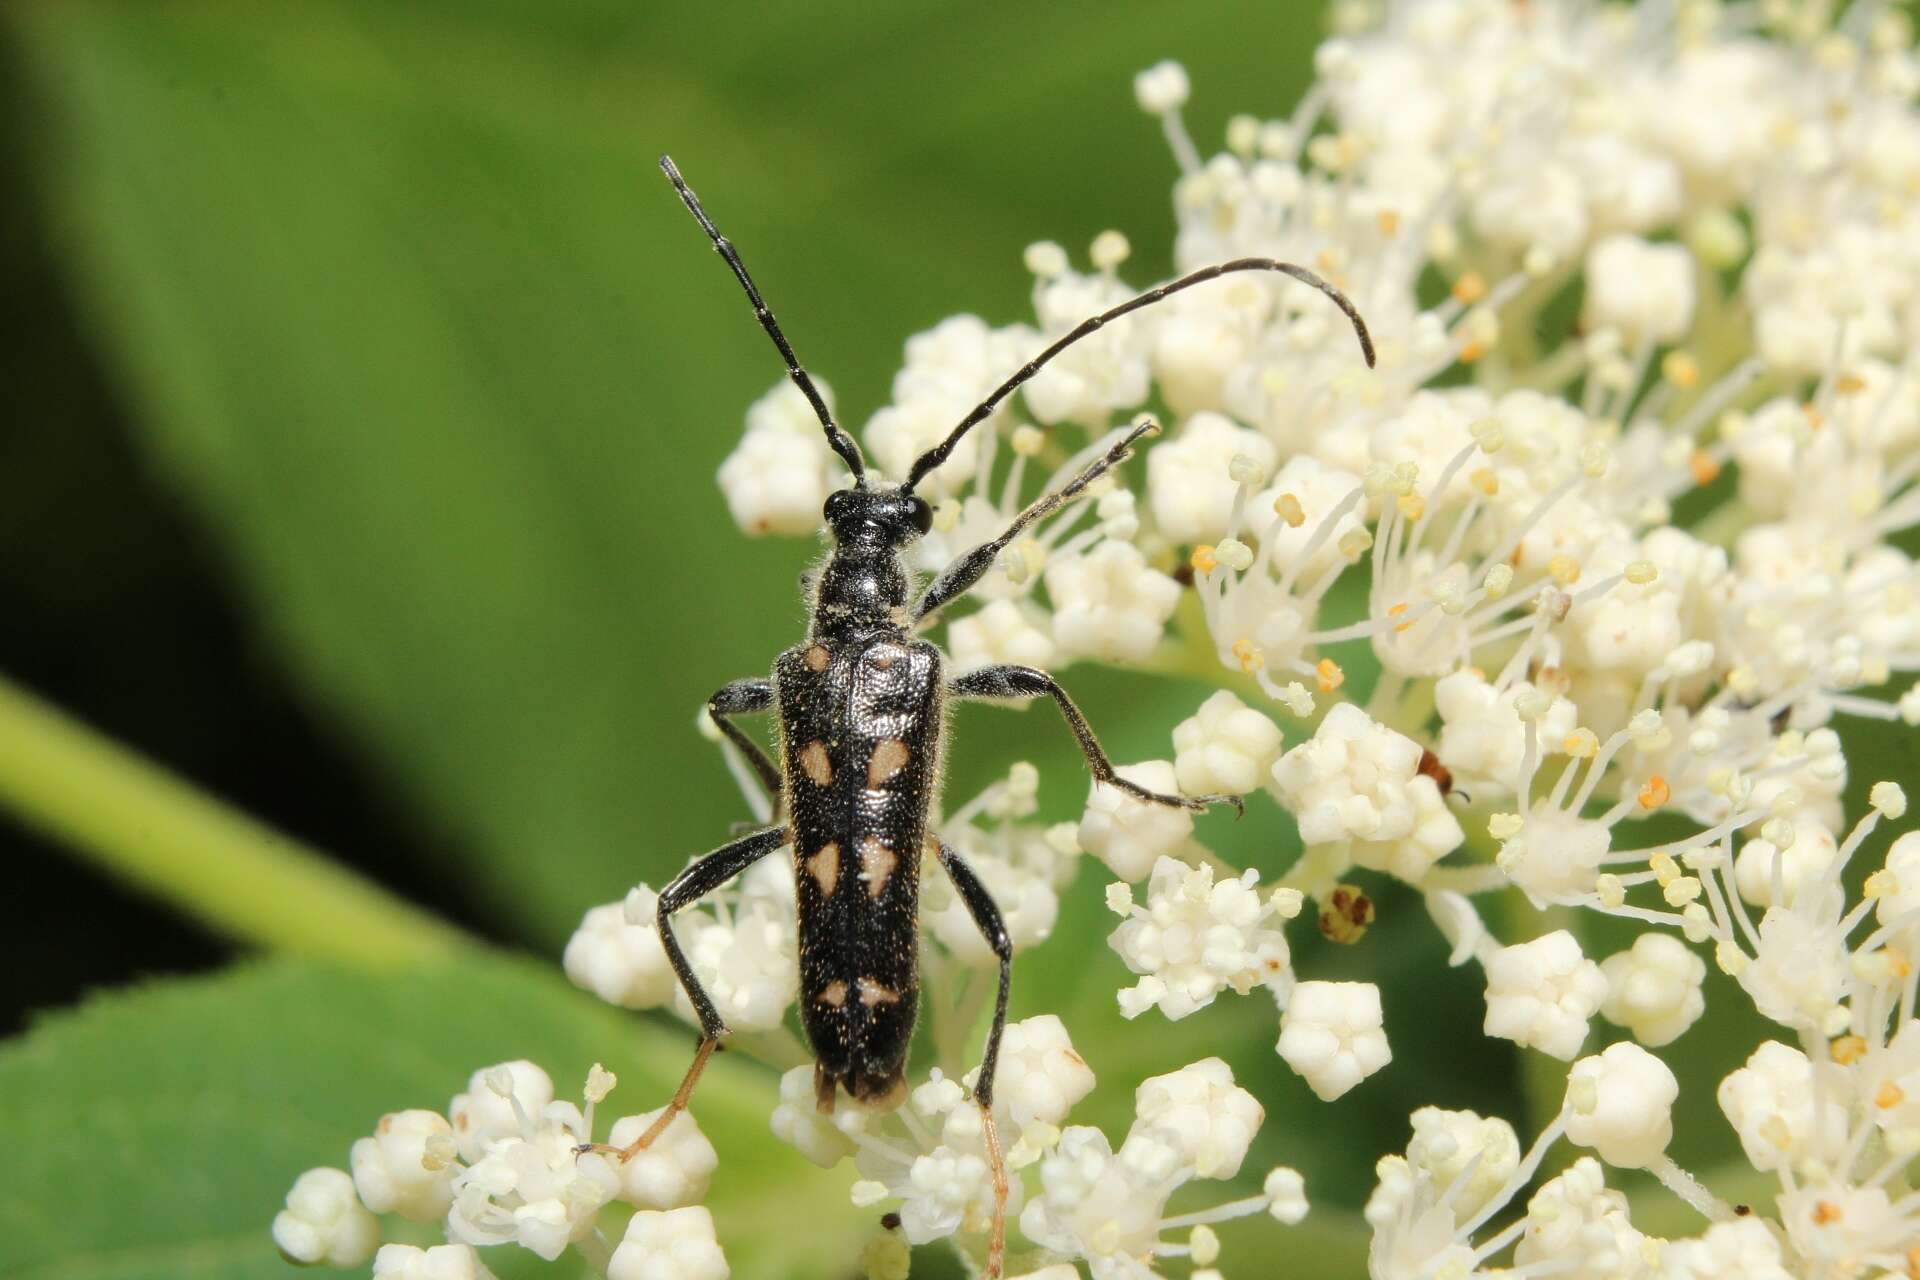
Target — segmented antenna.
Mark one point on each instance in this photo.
(842, 442)
(938, 454)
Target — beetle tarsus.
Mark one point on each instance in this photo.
(996, 1162)
(681, 1097)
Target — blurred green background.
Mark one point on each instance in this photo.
(365, 388)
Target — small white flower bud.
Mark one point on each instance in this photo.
(403, 1169)
(1041, 1077)
(324, 1222)
(675, 1168)
(440, 1262)
(1653, 989)
(1128, 834)
(779, 475)
(1225, 747)
(618, 957)
(798, 1122)
(1644, 290)
(1109, 250)
(679, 1244)
(1161, 88)
(1234, 554)
(1046, 259)
(1332, 1035)
(1209, 1118)
(1620, 1103)
(1771, 1104)
(1288, 1192)
(486, 1112)
(1542, 993)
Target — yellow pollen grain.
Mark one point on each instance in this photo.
(1411, 505)
(1655, 793)
(1702, 467)
(1825, 1212)
(1388, 220)
(1580, 744)
(818, 657)
(1564, 570)
(1249, 656)
(1849, 384)
(833, 995)
(1331, 676)
(1397, 609)
(1469, 288)
(1203, 560)
(1472, 352)
(1288, 508)
(1847, 1050)
(1889, 1096)
(1899, 965)
(1485, 480)
(1681, 369)
(1814, 417)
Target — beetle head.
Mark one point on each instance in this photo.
(891, 516)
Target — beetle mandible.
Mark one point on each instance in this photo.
(859, 706)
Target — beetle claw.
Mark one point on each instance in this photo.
(1200, 804)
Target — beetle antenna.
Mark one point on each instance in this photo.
(938, 454)
(841, 442)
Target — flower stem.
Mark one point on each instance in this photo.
(126, 814)
(1690, 1189)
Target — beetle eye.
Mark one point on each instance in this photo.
(921, 515)
(836, 505)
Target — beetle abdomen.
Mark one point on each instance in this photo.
(861, 736)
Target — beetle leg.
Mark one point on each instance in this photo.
(986, 917)
(1019, 683)
(745, 698)
(959, 577)
(696, 882)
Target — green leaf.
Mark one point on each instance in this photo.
(398, 298)
(152, 1134)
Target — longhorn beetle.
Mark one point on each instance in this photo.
(861, 730)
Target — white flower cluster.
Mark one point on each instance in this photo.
(505, 1165)
(1095, 1203)
(1649, 564)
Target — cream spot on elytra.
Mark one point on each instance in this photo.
(813, 759)
(825, 868)
(876, 865)
(888, 758)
